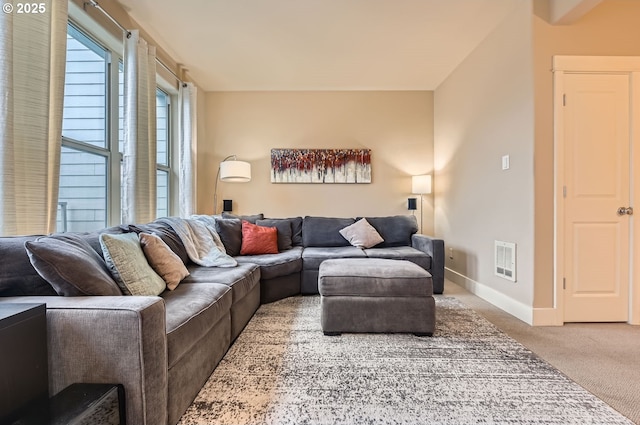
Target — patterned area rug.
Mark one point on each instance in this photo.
(283, 370)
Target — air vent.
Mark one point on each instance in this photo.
(505, 260)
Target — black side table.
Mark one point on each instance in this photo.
(24, 377)
(80, 404)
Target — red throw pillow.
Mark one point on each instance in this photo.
(258, 240)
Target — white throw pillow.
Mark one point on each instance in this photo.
(361, 234)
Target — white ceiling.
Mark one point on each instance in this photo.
(236, 45)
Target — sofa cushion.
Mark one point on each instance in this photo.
(250, 218)
(313, 257)
(257, 240)
(191, 311)
(401, 253)
(376, 277)
(128, 265)
(230, 232)
(93, 238)
(361, 234)
(324, 231)
(71, 266)
(241, 278)
(166, 233)
(276, 265)
(296, 230)
(17, 275)
(163, 260)
(284, 231)
(395, 230)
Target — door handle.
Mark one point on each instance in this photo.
(625, 211)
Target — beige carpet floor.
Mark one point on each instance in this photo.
(604, 358)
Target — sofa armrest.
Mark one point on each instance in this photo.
(102, 339)
(434, 248)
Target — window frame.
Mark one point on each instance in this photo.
(173, 151)
(168, 167)
(112, 157)
(113, 44)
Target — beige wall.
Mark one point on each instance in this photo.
(523, 46)
(611, 28)
(396, 126)
(484, 110)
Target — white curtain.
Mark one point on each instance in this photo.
(32, 66)
(139, 161)
(187, 146)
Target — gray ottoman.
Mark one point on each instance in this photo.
(375, 295)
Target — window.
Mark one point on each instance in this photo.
(93, 136)
(85, 156)
(163, 138)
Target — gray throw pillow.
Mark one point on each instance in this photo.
(71, 266)
(296, 230)
(230, 232)
(284, 231)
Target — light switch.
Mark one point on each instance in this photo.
(505, 162)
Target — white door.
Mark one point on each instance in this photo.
(596, 197)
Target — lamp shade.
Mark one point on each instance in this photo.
(235, 171)
(421, 184)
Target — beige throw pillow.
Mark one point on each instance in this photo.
(128, 265)
(164, 261)
(361, 234)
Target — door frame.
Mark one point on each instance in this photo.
(629, 65)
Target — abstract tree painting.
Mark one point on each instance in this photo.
(321, 165)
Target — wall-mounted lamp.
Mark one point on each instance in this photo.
(233, 171)
(421, 185)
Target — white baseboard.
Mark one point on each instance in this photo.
(500, 300)
(546, 317)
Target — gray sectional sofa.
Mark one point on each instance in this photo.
(163, 348)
